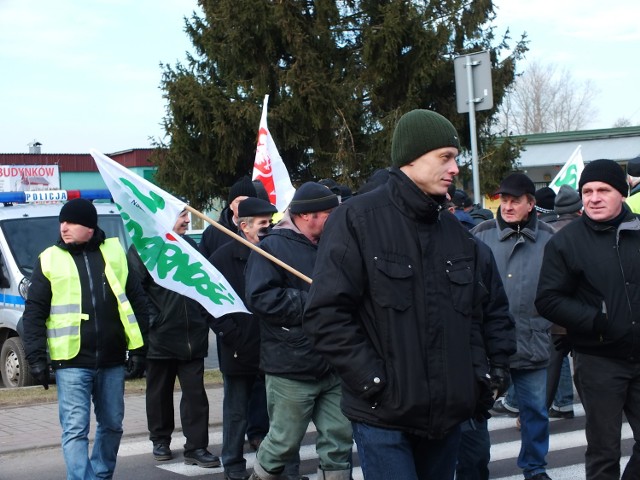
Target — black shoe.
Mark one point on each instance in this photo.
(553, 413)
(161, 451)
(241, 475)
(201, 457)
(540, 476)
(499, 408)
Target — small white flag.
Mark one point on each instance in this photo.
(269, 168)
(149, 214)
(570, 172)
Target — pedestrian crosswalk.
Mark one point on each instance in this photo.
(567, 444)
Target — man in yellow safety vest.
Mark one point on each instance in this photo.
(80, 306)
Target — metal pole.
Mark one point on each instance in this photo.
(472, 129)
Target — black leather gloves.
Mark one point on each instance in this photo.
(484, 402)
(500, 379)
(136, 365)
(40, 372)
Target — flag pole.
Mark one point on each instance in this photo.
(246, 242)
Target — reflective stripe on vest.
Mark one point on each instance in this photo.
(65, 315)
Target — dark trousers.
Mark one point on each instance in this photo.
(474, 451)
(194, 405)
(556, 357)
(608, 387)
(257, 416)
(238, 390)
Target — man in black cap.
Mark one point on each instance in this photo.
(395, 307)
(590, 284)
(517, 238)
(81, 306)
(212, 238)
(238, 336)
(301, 386)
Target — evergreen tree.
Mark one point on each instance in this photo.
(339, 74)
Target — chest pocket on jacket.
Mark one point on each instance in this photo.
(460, 276)
(392, 284)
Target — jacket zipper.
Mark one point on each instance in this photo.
(93, 302)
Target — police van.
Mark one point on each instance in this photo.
(28, 225)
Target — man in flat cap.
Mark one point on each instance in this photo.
(301, 385)
(396, 307)
(517, 238)
(590, 284)
(238, 336)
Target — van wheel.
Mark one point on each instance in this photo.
(13, 361)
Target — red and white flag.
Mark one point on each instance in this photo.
(269, 168)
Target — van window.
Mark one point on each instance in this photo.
(28, 237)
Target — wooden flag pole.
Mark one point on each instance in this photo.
(246, 242)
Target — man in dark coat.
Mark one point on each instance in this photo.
(239, 339)
(396, 307)
(178, 344)
(590, 284)
(301, 386)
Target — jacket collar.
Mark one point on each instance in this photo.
(412, 201)
(529, 229)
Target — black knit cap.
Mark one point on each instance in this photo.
(313, 197)
(79, 211)
(545, 199)
(633, 167)
(418, 132)
(606, 171)
(517, 184)
(255, 207)
(242, 188)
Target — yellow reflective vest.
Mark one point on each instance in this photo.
(65, 315)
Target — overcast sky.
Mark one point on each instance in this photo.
(79, 74)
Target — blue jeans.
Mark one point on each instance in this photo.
(530, 387)
(474, 453)
(386, 454)
(77, 387)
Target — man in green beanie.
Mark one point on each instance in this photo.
(395, 308)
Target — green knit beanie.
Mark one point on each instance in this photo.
(419, 132)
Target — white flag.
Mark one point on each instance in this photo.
(570, 173)
(149, 214)
(269, 168)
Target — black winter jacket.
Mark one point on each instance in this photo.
(277, 297)
(178, 327)
(213, 238)
(395, 307)
(238, 334)
(590, 284)
(102, 339)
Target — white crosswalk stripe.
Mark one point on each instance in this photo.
(567, 443)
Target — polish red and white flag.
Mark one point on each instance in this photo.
(269, 168)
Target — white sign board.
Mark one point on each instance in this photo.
(22, 178)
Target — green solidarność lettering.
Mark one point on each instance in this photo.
(165, 258)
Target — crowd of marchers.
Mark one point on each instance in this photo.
(425, 315)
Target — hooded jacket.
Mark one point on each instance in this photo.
(277, 297)
(590, 284)
(102, 338)
(395, 307)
